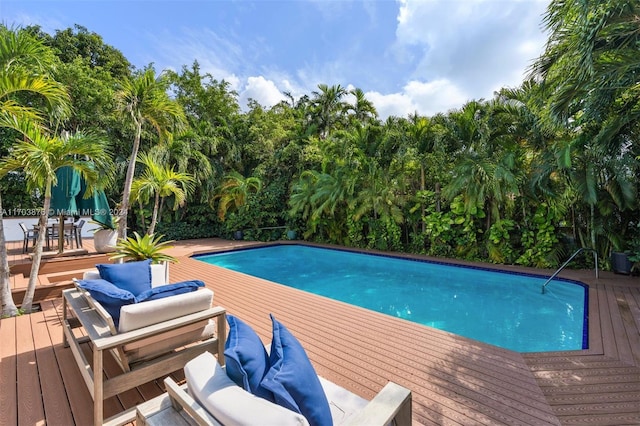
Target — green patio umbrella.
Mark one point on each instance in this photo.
(67, 199)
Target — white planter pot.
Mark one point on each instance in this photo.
(104, 240)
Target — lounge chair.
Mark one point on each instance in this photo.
(151, 338)
(181, 406)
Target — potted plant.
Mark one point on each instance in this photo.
(620, 262)
(105, 236)
(292, 234)
(628, 261)
(145, 247)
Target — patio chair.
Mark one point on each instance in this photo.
(182, 405)
(29, 234)
(67, 231)
(77, 232)
(149, 340)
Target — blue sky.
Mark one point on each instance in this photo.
(424, 56)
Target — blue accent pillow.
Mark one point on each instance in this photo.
(132, 276)
(246, 358)
(108, 295)
(169, 290)
(293, 380)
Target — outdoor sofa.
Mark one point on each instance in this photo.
(266, 387)
(149, 339)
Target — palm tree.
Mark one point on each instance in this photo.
(144, 100)
(300, 200)
(486, 173)
(24, 66)
(234, 191)
(591, 50)
(363, 110)
(327, 108)
(380, 195)
(39, 156)
(159, 182)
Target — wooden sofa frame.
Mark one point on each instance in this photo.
(392, 405)
(81, 310)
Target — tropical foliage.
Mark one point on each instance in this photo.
(147, 246)
(27, 95)
(525, 177)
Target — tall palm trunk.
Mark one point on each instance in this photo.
(8, 305)
(154, 215)
(27, 301)
(160, 209)
(126, 193)
(143, 220)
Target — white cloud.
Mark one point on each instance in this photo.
(435, 96)
(264, 91)
(479, 46)
(398, 104)
(427, 99)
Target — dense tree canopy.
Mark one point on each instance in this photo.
(523, 178)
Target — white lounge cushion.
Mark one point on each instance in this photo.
(209, 384)
(142, 314)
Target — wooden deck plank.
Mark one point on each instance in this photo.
(79, 398)
(618, 309)
(8, 371)
(30, 406)
(606, 321)
(630, 313)
(56, 405)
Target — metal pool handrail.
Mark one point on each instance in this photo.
(595, 256)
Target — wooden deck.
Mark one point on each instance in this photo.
(454, 380)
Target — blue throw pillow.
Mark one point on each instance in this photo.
(293, 380)
(132, 276)
(169, 290)
(108, 295)
(246, 358)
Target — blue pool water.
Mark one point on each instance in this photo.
(500, 308)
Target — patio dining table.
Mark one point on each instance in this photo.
(69, 228)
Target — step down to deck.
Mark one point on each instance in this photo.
(63, 276)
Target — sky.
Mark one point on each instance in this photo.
(407, 56)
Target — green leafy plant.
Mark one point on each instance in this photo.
(143, 247)
(109, 226)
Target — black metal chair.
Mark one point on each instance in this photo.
(67, 233)
(77, 232)
(29, 234)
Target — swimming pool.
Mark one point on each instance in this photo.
(501, 308)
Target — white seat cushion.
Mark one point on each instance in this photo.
(209, 384)
(142, 314)
(343, 404)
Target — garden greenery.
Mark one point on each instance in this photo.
(522, 178)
